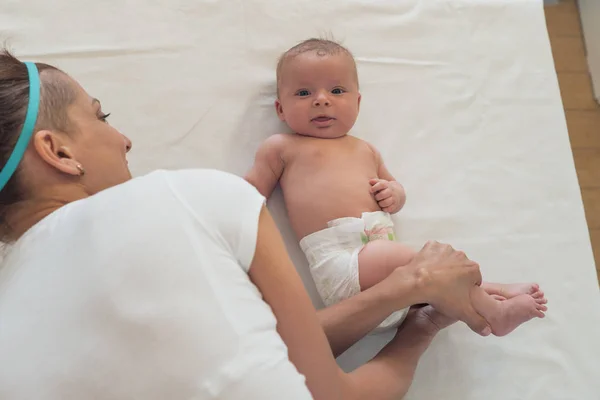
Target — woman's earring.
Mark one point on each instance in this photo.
(81, 170)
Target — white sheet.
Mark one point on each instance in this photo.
(459, 95)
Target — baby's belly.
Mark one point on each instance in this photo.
(310, 208)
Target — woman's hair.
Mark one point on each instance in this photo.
(56, 94)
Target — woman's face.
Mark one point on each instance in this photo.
(98, 147)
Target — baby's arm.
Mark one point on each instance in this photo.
(268, 165)
(389, 193)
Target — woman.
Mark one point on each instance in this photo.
(175, 285)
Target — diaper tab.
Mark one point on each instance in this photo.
(378, 226)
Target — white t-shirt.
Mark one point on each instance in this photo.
(142, 292)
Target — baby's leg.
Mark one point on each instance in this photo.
(522, 302)
(378, 259)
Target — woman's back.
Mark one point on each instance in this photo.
(99, 301)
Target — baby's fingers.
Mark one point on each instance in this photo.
(386, 203)
(387, 209)
(384, 194)
(381, 185)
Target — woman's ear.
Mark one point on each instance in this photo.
(279, 110)
(52, 148)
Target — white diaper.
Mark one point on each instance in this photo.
(332, 256)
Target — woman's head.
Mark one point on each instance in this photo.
(73, 152)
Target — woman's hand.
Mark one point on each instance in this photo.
(444, 279)
(389, 374)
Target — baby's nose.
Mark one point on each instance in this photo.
(321, 100)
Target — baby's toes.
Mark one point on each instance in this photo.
(538, 294)
(542, 307)
(534, 288)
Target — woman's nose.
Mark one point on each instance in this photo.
(321, 100)
(128, 144)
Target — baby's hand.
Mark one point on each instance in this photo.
(389, 195)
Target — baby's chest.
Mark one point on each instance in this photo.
(348, 156)
(323, 158)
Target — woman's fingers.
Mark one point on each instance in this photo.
(431, 247)
(448, 250)
(476, 322)
(438, 248)
(475, 271)
(451, 285)
(460, 255)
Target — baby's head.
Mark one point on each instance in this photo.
(317, 89)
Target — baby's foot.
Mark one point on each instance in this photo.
(510, 290)
(515, 311)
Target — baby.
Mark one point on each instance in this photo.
(339, 194)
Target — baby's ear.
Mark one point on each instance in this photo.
(359, 97)
(279, 110)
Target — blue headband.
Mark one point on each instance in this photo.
(25, 135)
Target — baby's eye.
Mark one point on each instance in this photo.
(302, 93)
(338, 91)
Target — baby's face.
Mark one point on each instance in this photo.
(318, 95)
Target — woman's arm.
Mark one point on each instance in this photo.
(350, 320)
(387, 376)
(275, 276)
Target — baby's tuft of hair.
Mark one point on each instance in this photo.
(321, 47)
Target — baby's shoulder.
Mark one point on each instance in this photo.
(275, 144)
(279, 141)
(363, 145)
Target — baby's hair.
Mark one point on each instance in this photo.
(321, 46)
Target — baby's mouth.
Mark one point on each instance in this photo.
(322, 118)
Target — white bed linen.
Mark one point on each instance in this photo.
(461, 98)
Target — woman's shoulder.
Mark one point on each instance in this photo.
(201, 188)
(185, 173)
(223, 202)
(192, 176)
(192, 180)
